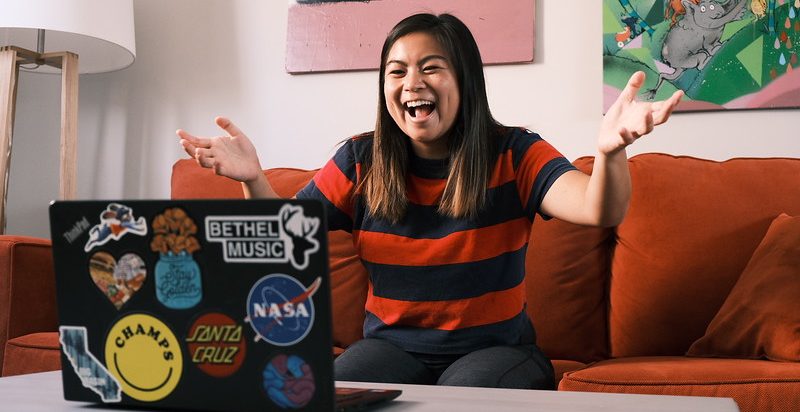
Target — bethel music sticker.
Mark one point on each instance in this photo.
(289, 381)
(118, 280)
(287, 237)
(216, 344)
(280, 309)
(145, 357)
(115, 222)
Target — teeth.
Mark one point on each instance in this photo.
(417, 103)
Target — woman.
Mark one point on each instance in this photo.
(440, 200)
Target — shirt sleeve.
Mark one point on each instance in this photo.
(537, 166)
(334, 185)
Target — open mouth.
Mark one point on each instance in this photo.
(420, 109)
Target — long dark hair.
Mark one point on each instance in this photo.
(469, 140)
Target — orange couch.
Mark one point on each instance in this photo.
(28, 314)
(615, 308)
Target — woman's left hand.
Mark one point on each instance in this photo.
(628, 119)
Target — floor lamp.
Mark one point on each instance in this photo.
(99, 32)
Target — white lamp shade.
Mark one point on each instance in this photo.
(100, 32)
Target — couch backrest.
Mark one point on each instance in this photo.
(567, 301)
(648, 287)
(691, 229)
(567, 271)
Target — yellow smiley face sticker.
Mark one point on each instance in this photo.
(145, 357)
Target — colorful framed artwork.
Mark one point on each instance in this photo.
(734, 54)
(336, 35)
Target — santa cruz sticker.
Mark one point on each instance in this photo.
(216, 345)
(116, 221)
(289, 381)
(280, 309)
(287, 237)
(145, 357)
(92, 373)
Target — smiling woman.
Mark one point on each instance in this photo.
(421, 97)
(440, 199)
(421, 93)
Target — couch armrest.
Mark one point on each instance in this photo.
(27, 288)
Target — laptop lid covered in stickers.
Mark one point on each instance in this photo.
(219, 305)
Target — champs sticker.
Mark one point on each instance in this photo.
(216, 345)
(280, 309)
(145, 357)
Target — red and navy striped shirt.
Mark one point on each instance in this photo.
(440, 285)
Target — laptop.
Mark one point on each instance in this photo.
(214, 305)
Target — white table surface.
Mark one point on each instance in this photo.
(42, 392)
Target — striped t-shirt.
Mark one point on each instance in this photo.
(439, 285)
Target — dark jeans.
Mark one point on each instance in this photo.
(376, 360)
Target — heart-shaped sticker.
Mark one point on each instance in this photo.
(118, 280)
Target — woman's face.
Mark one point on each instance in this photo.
(421, 92)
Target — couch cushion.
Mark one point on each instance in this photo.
(348, 275)
(691, 229)
(761, 316)
(560, 367)
(26, 276)
(190, 181)
(37, 352)
(567, 270)
(755, 385)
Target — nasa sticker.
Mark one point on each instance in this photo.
(280, 309)
(116, 221)
(287, 237)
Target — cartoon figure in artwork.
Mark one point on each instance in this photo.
(675, 10)
(759, 8)
(115, 221)
(695, 39)
(632, 25)
(632, 29)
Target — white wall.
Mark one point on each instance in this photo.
(200, 58)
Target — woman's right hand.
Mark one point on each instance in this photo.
(231, 155)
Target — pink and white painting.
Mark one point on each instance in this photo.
(337, 35)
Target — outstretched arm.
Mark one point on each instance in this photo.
(602, 198)
(231, 155)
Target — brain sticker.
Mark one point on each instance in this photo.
(289, 381)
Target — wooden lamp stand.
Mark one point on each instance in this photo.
(11, 58)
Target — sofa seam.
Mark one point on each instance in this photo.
(7, 316)
(31, 346)
(696, 383)
(737, 158)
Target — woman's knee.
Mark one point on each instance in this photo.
(376, 360)
(501, 367)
